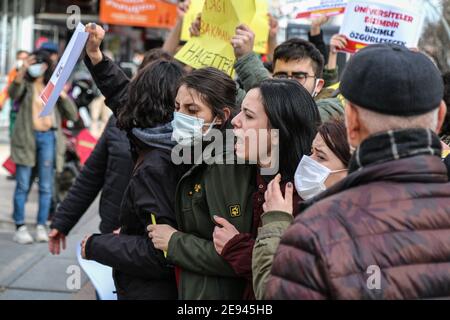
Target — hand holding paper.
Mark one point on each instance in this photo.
(243, 41)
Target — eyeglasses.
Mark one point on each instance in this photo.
(299, 76)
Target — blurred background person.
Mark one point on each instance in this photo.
(36, 141)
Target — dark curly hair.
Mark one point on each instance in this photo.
(298, 49)
(151, 96)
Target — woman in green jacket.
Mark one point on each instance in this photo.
(36, 141)
(206, 101)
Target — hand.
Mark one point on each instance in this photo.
(160, 235)
(83, 246)
(273, 26)
(274, 200)
(28, 62)
(56, 240)
(318, 22)
(194, 30)
(183, 7)
(96, 36)
(337, 42)
(221, 236)
(243, 41)
(116, 232)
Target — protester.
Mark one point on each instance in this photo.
(139, 269)
(382, 232)
(210, 193)
(36, 141)
(108, 169)
(284, 114)
(52, 49)
(325, 167)
(172, 42)
(21, 56)
(295, 58)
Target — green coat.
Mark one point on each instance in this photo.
(274, 224)
(204, 191)
(23, 143)
(251, 71)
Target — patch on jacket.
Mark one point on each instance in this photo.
(235, 210)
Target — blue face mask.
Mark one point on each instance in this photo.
(188, 130)
(36, 70)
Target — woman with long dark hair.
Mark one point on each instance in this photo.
(140, 270)
(283, 117)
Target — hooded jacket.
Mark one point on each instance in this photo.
(141, 271)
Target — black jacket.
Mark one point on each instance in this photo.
(141, 271)
(108, 169)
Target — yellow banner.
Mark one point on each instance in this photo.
(219, 21)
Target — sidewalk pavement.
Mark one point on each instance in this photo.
(29, 271)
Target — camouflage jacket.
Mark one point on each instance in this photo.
(381, 233)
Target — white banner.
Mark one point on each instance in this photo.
(63, 70)
(370, 22)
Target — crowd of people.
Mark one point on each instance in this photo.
(325, 176)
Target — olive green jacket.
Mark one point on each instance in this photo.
(274, 223)
(251, 71)
(204, 191)
(23, 142)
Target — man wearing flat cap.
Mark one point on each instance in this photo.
(384, 231)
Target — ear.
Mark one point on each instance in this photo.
(226, 115)
(319, 85)
(441, 115)
(353, 125)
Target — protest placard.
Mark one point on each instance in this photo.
(219, 21)
(258, 24)
(315, 8)
(370, 22)
(63, 70)
(142, 13)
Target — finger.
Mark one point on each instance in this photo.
(50, 246)
(56, 247)
(273, 183)
(276, 186)
(151, 228)
(264, 207)
(289, 192)
(63, 239)
(244, 34)
(223, 222)
(243, 27)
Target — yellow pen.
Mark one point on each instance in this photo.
(154, 223)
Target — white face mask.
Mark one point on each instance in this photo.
(36, 70)
(188, 130)
(310, 177)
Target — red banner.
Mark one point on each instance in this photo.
(138, 13)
